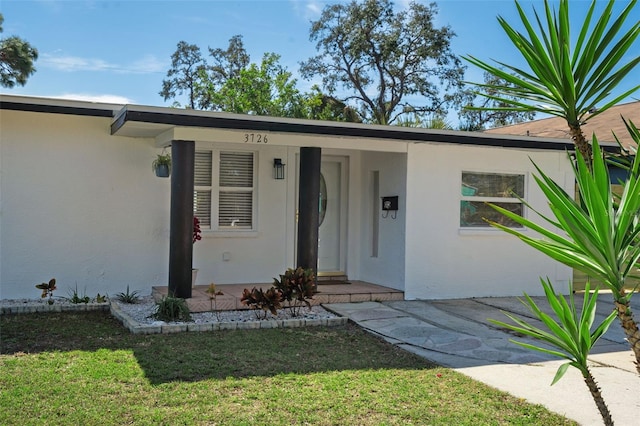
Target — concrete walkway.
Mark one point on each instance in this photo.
(456, 334)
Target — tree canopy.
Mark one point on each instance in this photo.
(481, 109)
(388, 63)
(230, 82)
(16, 60)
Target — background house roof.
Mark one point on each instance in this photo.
(602, 125)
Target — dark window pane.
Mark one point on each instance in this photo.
(492, 185)
(472, 214)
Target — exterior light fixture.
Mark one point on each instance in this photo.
(278, 168)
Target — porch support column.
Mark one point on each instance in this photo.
(308, 208)
(181, 225)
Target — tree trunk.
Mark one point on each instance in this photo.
(630, 328)
(581, 143)
(597, 398)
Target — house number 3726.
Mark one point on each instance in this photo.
(255, 138)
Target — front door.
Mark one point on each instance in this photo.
(332, 233)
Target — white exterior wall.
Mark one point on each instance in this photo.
(84, 207)
(444, 261)
(79, 205)
(253, 256)
(387, 268)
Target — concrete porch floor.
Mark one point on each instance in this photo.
(229, 300)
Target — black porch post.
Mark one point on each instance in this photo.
(181, 225)
(308, 208)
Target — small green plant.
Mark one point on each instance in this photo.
(172, 309)
(260, 300)
(569, 334)
(296, 287)
(213, 293)
(48, 289)
(128, 297)
(75, 298)
(162, 162)
(101, 298)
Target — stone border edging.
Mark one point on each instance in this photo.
(32, 309)
(139, 328)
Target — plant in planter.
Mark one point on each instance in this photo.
(162, 165)
(48, 289)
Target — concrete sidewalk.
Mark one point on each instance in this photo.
(456, 334)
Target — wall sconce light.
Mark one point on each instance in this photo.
(278, 168)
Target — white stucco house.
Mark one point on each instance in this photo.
(79, 201)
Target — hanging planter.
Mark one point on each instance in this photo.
(162, 165)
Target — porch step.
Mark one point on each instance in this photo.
(333, 279)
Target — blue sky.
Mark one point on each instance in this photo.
(119, 51)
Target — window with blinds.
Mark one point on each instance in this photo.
(203, 187)
(235, 201)
(224, 198)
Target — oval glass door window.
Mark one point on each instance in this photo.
(323, 200)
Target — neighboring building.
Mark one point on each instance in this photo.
(604, 125)
(79, 202)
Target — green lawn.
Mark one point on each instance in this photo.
(85, 369)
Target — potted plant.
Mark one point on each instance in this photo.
(162, 165)
(196, 237)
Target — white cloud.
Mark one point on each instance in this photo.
(104, 98)
(313, 9)
(73, 63)
(149, 64)
(308, 9)
(145, 65)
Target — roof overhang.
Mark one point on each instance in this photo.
(165, 124)
(153, 122)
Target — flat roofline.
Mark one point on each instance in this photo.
(163, 116)
(208, 119)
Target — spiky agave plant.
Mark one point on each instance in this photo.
(569, 75)
(600, 234)
(569, 333)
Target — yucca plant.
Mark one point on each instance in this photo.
(569, 334)
(569, 76)
(599, 236)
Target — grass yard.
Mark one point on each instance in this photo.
(86, 369)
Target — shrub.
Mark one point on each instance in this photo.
(171, 309)
(47, 289)
(266, 301)
(297, 287)
(74, 296)
(128, 297)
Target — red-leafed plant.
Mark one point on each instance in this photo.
(260, 300)
(48, 289)
(297, 287)
(197, 233)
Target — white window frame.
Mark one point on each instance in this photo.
(215, 190)
(491, 199)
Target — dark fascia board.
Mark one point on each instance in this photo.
(56, 109)
(267, 124)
